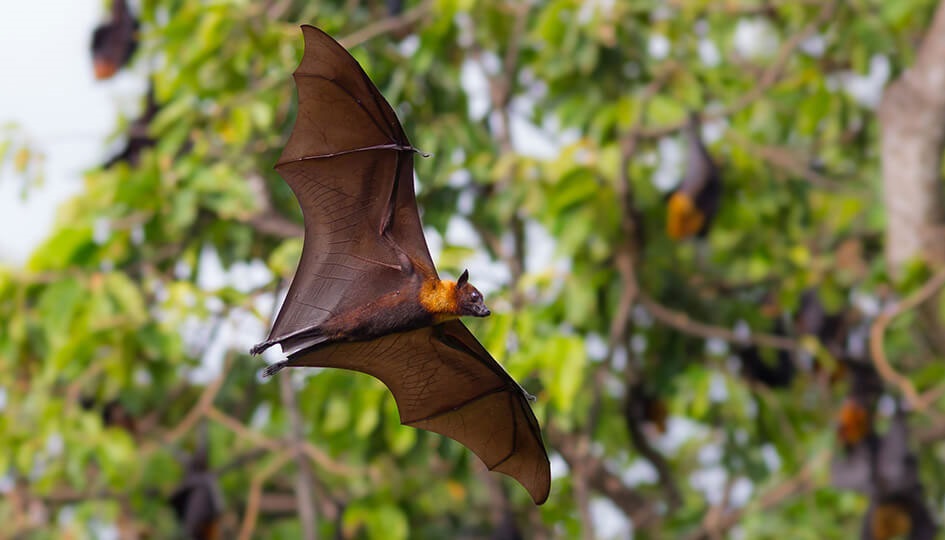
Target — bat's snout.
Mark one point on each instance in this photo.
(482, 311)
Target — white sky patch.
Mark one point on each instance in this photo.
(718, 390)
(742, 330)
(609, 521)
(886, 406)
(639, 472)
(865, 302)
(658, 46)
(769, 454)
(716, 346)
(409, 45)
(867, 90)
(474, 82)
(540, 249)
(708, 53)
(466, 202)
(459, 232)
(710, 481)
(814, 45)
(596, 346)
(559, 467)
(638, 343)
(755, 38)
(710, 454)
(678, 431)
(434, 242)
(530, 140)
(741, 492)
(668, 173)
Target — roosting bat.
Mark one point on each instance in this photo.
(366, 295)
(114, 42)
(694, 203)
(197, 501)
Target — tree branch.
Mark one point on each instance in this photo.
(878, 330)
(305, 482)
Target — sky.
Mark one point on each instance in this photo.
(51, 98)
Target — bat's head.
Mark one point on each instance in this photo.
(468, 299)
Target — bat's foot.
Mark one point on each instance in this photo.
(260, 347)
(272, 369)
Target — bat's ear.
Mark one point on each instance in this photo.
(463, 279)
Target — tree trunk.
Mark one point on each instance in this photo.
(912, 117)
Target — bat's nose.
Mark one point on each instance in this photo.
(484, 311)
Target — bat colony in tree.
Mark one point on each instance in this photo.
(366, 295)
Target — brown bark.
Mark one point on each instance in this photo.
(912, 117)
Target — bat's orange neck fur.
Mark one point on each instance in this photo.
(439, 298)
(684, 218)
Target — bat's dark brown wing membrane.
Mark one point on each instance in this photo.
(445, 381)
(351, 168)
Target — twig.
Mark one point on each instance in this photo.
(797, 484)
(389, 24)
(204, 403)
(255, 493)
(317, 456)
(304, 482)
(682, 322)
(638, 508)
(877, 333)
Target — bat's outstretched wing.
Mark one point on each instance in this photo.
(351, 168)
(445, 381)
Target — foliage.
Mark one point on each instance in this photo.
(119, 303)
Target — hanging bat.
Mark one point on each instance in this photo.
(902, 516)
(694, 203)
(114, 42)
(138, 137)
(366, 295)
(855, 418)
(197, 501)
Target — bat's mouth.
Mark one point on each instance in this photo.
(481, 311)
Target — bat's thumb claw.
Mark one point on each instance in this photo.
(260, 347)
(530, 398)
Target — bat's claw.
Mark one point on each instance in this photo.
(260, 347)
(272, 369)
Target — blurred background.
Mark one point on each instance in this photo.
(712, 236)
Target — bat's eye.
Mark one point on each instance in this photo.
(475, 296)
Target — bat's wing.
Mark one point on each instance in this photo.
(351, 168)
(445, 381)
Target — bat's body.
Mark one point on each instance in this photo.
(366, 295)
(694, 203)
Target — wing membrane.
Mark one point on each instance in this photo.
(350, 165)
(444, 381)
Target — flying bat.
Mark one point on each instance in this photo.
(114, 42)
(366, 295)
(694, 203)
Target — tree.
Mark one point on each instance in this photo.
(554, 132)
